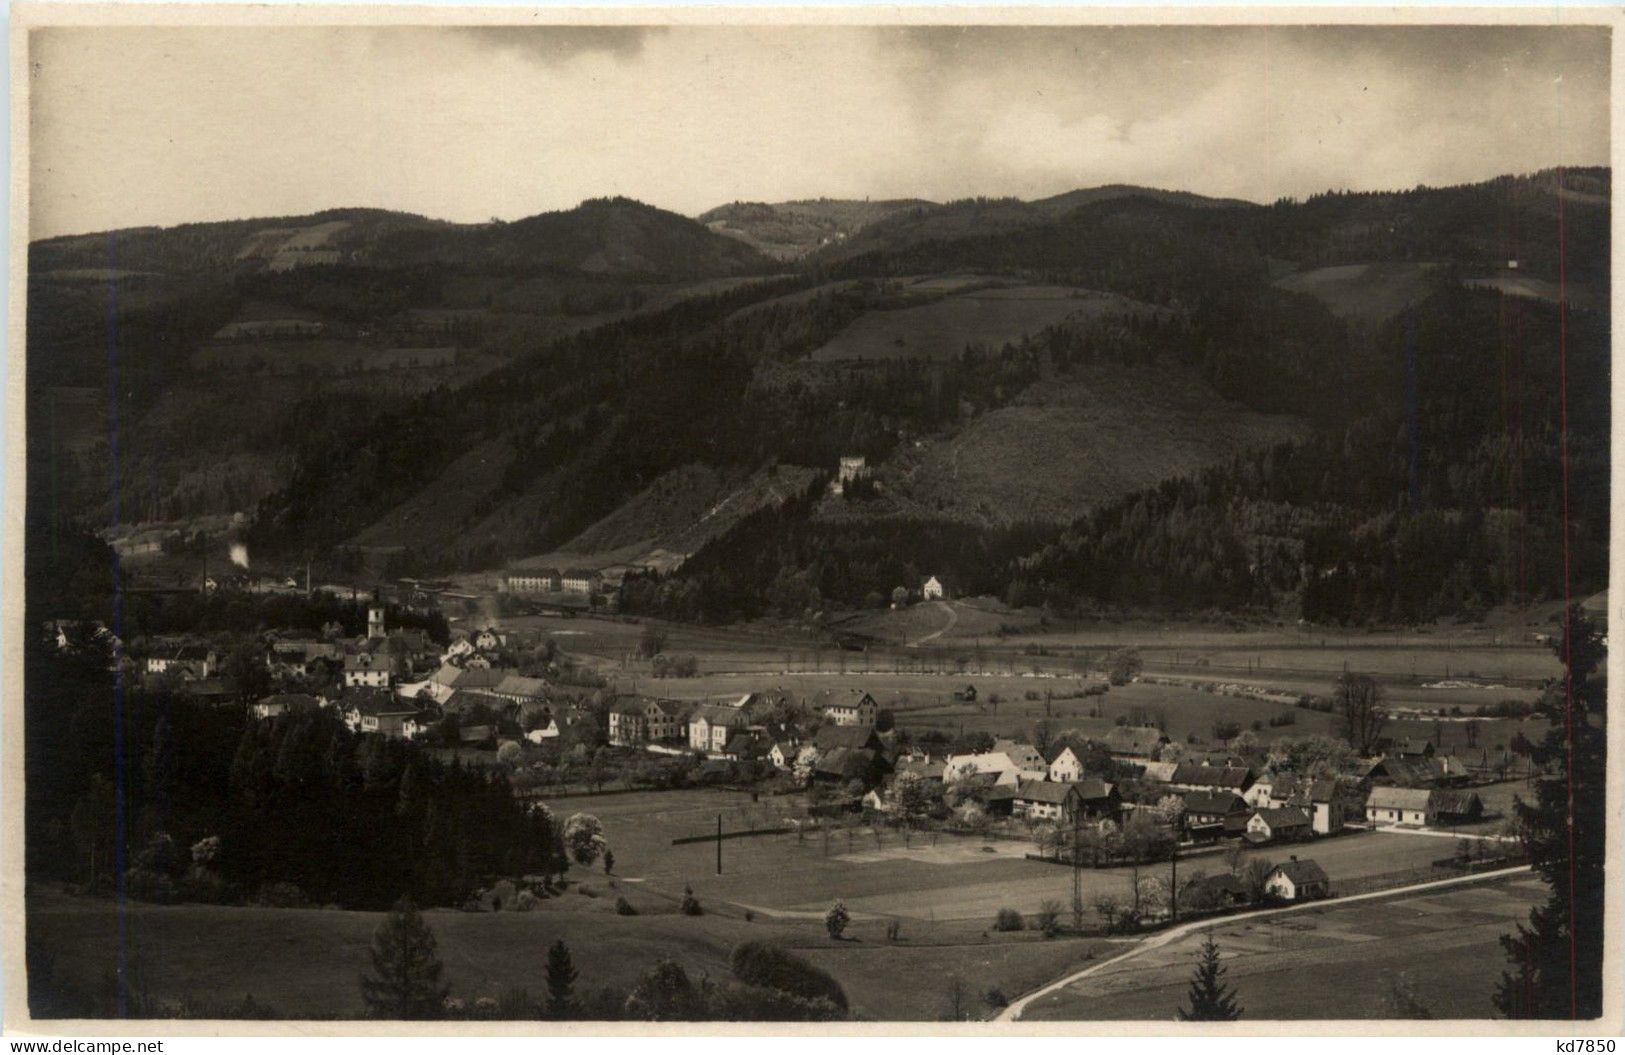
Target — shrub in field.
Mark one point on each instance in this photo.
(1048, 919)
(995, 998)
(524, 901)
(281, 895)
(1008, 919)
(624, 907)
(836, 919)
(759, 963)
(586, 891)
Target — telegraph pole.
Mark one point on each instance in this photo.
(1173, 879)
(719, 844)
(1077, 872)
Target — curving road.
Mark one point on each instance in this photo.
(1013, 1012)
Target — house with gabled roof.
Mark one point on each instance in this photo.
(1205, 811)
(1066, 766)
(522, 689)
(1404, 806)
(712, 725)
(281, 703)
(1193, 776)
(376, 711)
(1090, 799)
(848, 707)
(1029, 762)
(1320, 797)
(994, 764)
(1295, 880)
(637, 720)
(858, 737)
(1270, 825)
(369, 670)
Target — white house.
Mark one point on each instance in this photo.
(932, 590)
(962, 767)
(853, 707)
(580, 580)
(1027, 759)
(1066, 767)
(711, 726)
(1297, 880)
(1407, 806)
(367, 670)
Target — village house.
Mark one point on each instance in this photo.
(1066, 767)
(1320, 798)
(286, 703)
(1421, 807)
(852, 707)
(1192, 776)
(850, 737)
(1028, 760)
(1157, 772)
(1296, 880)
(1270, 825)
(994, 764)
(845, 764)
(545, 732)
(521, 689)
(1224, 890)
(188, 661)
(1044, 800)
(375, 711)
(924, 768)
(933, 589)
(638, 720)
(368, 670)
(1204, 812)
(712, 725)
(1405, 806)
(747, 746)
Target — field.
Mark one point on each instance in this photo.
(1329, 963)
(942, 328)
(1066, 446)
(1514, 284)
(1368, 293)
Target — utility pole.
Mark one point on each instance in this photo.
(1173, 879)
(719, 844)
(1077, 871)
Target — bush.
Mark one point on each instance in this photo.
(754, 1003)
(761, 964)
(1008, 919)
(281, 895)
(1048, 919)
(624, 907)
(995, 998)
(586, 891)
(524, 901)
(836, 919)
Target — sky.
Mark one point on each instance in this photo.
(132, 126)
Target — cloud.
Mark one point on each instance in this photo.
(144, 125)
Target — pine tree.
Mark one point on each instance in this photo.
(1556, 960)
(1210, 999)
(407, 980)
(561, 979)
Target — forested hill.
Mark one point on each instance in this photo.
(1404, 343)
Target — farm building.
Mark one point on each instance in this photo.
(286, 703)
(187, 661)
(995, 765)
(1297, 880)
(1224, 890)
(1205, 811)
(1398, 806)
(1454, 806)
(844, 765)
(1158, 772)
(635, 720)
(520, 689)
(1288, 824)
(852, 707)
(376, 711)
(934, 589)
(1200, 777)
(1044, 800)
(852, 737)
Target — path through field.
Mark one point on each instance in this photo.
(1017, 1008)
(953, 620)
